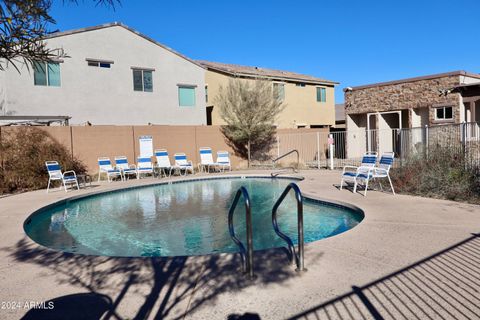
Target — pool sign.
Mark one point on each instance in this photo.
(330, 140)
(146, 146)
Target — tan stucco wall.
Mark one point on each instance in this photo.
(88, 143)
(302, 106)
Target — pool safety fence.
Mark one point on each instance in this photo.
(317, 149)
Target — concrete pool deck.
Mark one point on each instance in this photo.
(410, 258)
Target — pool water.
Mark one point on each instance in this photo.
(186, 218)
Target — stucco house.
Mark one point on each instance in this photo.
(310, 101)
(112, 75)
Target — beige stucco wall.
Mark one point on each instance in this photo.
(88, 143)
(302, 107)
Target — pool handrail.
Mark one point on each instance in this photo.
(299, 256)
(246, 254)
(294, 168)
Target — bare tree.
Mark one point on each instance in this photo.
(250, 108)
(23, 26)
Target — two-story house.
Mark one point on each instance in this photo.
(310, 101)
(112, 75)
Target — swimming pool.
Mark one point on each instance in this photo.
(181, 218)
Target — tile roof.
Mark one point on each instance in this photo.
(253, 72)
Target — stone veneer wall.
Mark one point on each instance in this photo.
(407, 95)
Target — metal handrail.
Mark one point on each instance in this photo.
(286, 154)
(291, 248)
(246, 254)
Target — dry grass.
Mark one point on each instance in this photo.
(23, 154)
(444, 174)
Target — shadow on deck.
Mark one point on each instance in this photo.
(445, 285)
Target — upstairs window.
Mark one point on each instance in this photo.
(142, 80)
(99, 63)
(279, 91)
(300, 85)
(321, 95)
(444, 113)
(206, 93)
(186, 96)
(46, 74)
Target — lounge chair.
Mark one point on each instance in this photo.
(55, 173)
(126, 170)
(182, 164)
(144, 166)
(206, 160)
(105, 166)
(351, 173)
(223, 160)
(379, 172)
(163, 162)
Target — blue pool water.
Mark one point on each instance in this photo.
(186, 218)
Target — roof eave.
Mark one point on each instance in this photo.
(250, 75)
(429, 77)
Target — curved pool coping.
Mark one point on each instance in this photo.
(309, 197)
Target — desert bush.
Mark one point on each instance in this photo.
(23, 152)
(445, 173)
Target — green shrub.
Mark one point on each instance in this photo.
(444, 174)
(23, 152)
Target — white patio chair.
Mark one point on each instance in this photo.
(206, 160)
(223, 160)
(380, 172)
(105, 166)
(350, 173)
(163, 162)
(126, 170)
(144, 166)
(182, 164)
(55, 174)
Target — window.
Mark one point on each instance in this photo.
(279, 91)
(186, 96)
(46, 74)
(206, 93)
(99, 63)
(142, 80)
(444, 113)
(321, 95)
(300, 85)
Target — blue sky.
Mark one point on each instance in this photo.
(352, 42)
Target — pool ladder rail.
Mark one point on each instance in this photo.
(247, 253)
(299, 254)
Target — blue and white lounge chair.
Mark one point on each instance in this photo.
(163, 162)
(182, 164)
(365, 170)
(206, 160)
(55, 174)
(127, 170)
(144, 166)
(223, 160)
(383, 169)
(105, 166)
